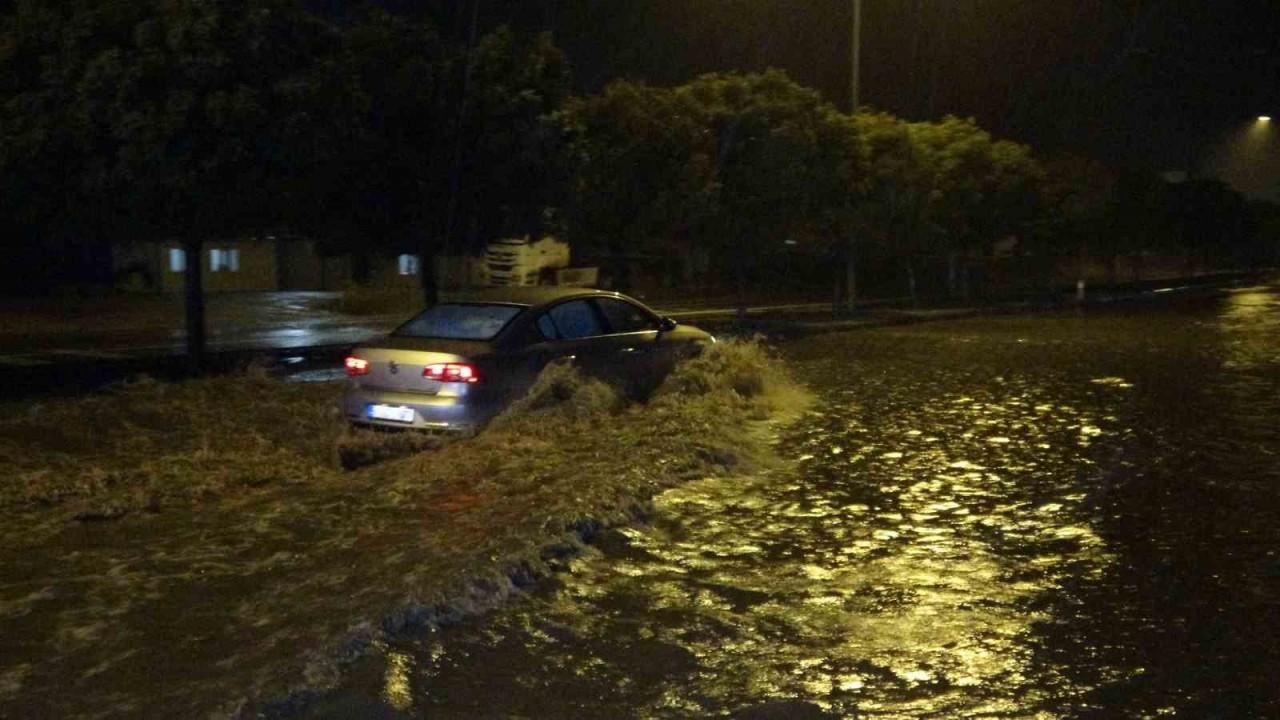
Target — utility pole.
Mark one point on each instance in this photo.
(550, 18)
(855, 76)
(855, 52)
(427, 265)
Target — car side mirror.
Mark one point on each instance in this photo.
(667, 325)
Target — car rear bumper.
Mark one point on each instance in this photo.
(430, 412)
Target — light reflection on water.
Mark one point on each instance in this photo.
(1028, 517)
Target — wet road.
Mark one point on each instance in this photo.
(154, 325)
(1044, 516)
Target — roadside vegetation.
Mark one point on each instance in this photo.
(382, 131)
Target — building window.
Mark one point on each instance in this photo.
(224, 259)
(409, 265)
(177, 260)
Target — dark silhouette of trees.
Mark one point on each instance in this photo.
(165, 118)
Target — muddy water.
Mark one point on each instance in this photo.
(1049, 516)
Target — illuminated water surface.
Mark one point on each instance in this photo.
(1048, 516)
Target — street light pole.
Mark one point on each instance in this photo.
(855, 75)
(855, 51)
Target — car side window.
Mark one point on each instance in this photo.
(575, 319)
(547, 328)
(623, 317)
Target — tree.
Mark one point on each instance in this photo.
(1210, 221)
(734, 164)
(835, 201)
(382, 110)
(979, 188)
(49, 187)
(433, 144)
(893, 212)
(780, 156)
(513, 167)
(642, 173)
(943, 187)
(174, 115)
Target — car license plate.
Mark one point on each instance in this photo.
(391, 412)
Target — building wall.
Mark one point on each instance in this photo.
(335, 273)
(299, 265)
(455, 272)
(386, 272)
(283, 263)
(254, 266)
(452, 272)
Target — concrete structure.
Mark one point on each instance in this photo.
(249, 264)
(293, 263)
(265, 263)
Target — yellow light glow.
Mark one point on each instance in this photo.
(1264, 118)
(397, 688)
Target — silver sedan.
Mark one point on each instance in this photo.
(458, 363)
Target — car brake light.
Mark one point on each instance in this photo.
(356, 366)
(451, 372)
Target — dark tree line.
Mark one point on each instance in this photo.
(386, 129)
(186, 120)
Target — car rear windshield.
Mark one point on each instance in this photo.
(455, 321)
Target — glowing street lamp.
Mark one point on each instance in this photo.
(1264, 119)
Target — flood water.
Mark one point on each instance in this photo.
(1073, 515)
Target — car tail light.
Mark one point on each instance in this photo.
(356, 366)
(451, 372)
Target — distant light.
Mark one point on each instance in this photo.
(1264, 118)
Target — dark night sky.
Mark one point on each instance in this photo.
(1162, 83)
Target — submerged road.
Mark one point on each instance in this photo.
(129, 332)
(1057, 515)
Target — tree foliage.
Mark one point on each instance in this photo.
(512, 158)
(642, 165)
(728, 163)
(166, 118)
(376, 138)
(781, 157)
(190, 120)
(378, 132)
(425, 145)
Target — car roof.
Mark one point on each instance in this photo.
(530, 296)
